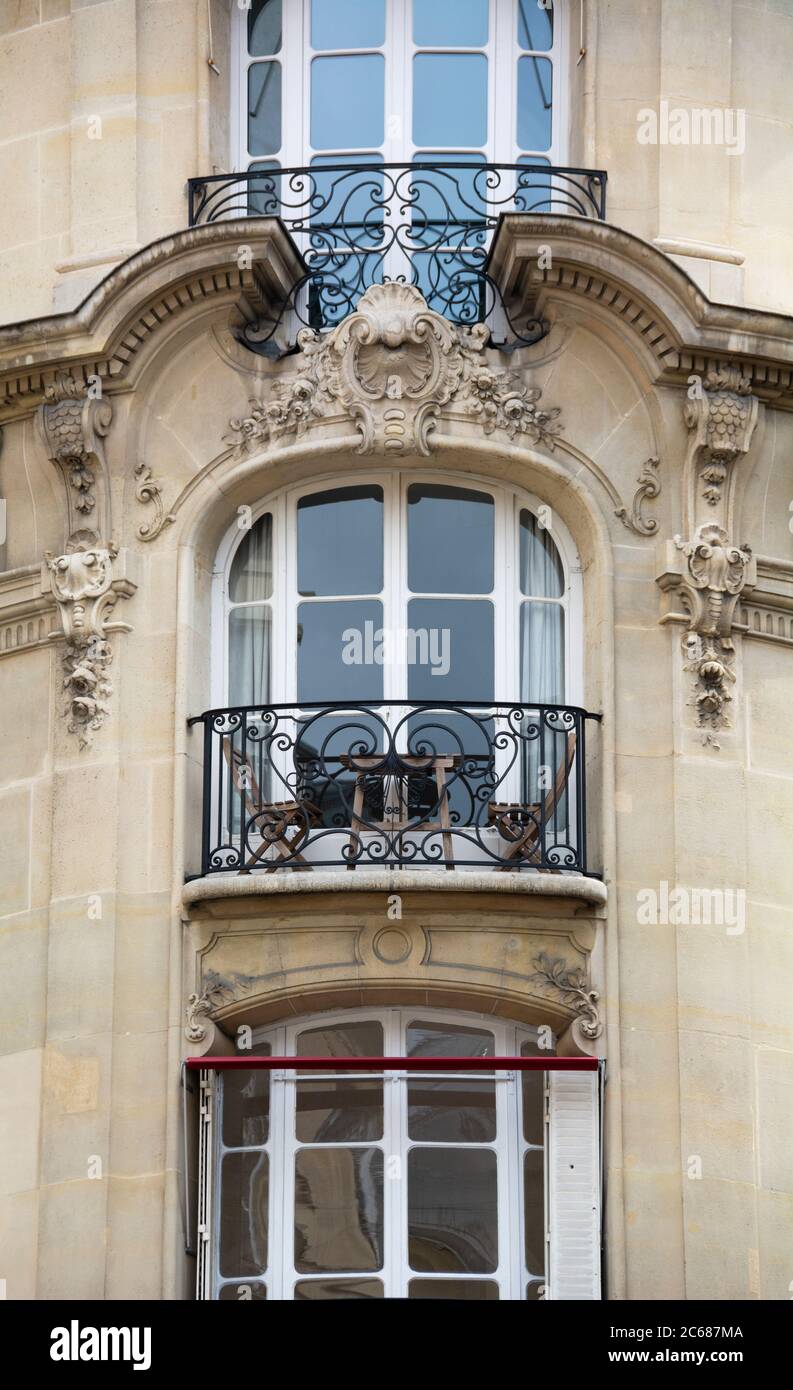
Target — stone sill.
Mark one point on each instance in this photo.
(225, 887)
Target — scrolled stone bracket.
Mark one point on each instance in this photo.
(86, 590)
(708, 575)
(572, 987)
(73, 424)
(721, 416)
(215, 991)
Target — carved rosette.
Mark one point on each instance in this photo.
(85, 591)
(73, 425)
(391, 367)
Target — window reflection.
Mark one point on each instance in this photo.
(348, 102)
(340, 542)
(265, 24)
(450, 99)
(458, 23)
(452, 1210)
(243, 1214)
(338, 1210)
(264, 108)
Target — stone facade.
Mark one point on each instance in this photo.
(655, 418)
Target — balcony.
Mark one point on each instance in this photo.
(429, 224)
(395, 786)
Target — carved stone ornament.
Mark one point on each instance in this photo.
(649, 488)
(73, 424)
(392, 366)
(723, 417)
(571, 985)
(149, 490)
(85, 591)
(216, 991)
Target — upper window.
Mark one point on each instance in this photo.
(401, 588)
(325, 81)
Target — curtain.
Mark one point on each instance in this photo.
(249, 655)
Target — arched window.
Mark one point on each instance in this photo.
(404, 587)
(415, 1184)
(321, 81)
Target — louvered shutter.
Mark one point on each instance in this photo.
(574, 1185)
(205, 1163)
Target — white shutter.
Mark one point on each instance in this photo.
(205, 1158)
(574, 1185)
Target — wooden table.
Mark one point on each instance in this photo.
(398, 768)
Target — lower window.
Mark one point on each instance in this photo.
(358, 1184)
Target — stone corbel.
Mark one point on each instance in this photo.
(73, 425)
(86, 591)
(721, 415)
(571, 986)
(707, 576)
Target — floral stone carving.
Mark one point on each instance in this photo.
(73, 425)
(571, 985)
(391, 367)
(723, 418)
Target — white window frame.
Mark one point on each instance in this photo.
(506, 595)
(570, 1106)
(296, 55)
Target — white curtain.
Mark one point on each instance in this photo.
(249, 655)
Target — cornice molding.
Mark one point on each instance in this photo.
(108, 335)
(634, 282)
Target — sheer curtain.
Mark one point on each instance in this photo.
(542, 644)
(251, 585)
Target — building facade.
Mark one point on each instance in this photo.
(396, 649)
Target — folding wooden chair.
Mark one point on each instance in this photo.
(399, 819)
(273, 819)
(521, 824)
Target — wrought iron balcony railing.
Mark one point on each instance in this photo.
(429, 224)
(397, 785)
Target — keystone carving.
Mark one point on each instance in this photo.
(73, 425)
(391, 367)
(722, 420)
(85, 591)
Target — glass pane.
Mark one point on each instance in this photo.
(533, 1086)
(336, 651)
(264, 108)
(450, 99)
(541, 571)
(452, 1210)
(542, 653)
(535, 1290)
(451, 649)
(347, 205)
(535, 24)
(340, 542)
(348, 102)
(249, 655)
(452, 1112)
(338, 1288)
(453, 1288)
(535, 192)
(264, 28)
(327, 757)
(264, 191)
(534, 1203)
(246, 1105)
(347, 23)
(448, 1040)
(535, 89)
(338, 1210)
(450, 540)
(242, 1293)
(243, 1214)
(459, 23)
(333, 1112)
(363, 1039)
(251, 576)
(449, 208)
